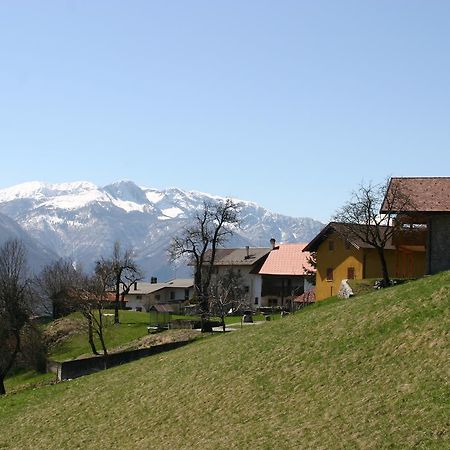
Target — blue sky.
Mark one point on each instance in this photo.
(289, 103)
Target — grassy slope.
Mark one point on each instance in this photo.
(369, 372)
(133, 325)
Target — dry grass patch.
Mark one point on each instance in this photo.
(62, 329)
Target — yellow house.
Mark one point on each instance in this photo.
(339, 258)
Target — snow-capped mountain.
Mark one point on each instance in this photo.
(37, 255)
(82, 221)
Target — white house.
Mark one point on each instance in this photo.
(174, 292)
(245, 262)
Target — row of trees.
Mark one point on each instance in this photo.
(62, 287)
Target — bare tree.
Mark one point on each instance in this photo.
(310, 270)
(14, 305)
(91, 301)
(54, 282)
(69, 289)
(227, 294)
(363, 220)
(124, 272)
(211, 227)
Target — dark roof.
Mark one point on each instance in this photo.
(342, 230)
(162, 308)
(426, 194)
(143, 288)
(239, 256)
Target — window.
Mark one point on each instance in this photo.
(350, 273)
(256, 300)
(157, 297)
(330, 274)
(138, 297)
(186, 294)
(172, 295)
(246, 289)
(330, 246)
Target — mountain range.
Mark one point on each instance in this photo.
(38, 255)
(82, 221)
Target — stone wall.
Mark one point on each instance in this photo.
(439, 243)
(79, 367)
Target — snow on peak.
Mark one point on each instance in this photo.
(39, 190)
(23, 190)
(172, 212)
(172, 202)
(153, 195)
(127, 191)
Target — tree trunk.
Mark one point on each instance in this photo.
(91, 337)
(2, 385)
(223, 323)
(122, 299)
(100, 332)
(204, 312)
(204, 322)
(7, 367)
(384, 268)
(116, 313)
(105, 352)
(117, 302)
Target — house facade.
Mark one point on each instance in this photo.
(424, 221)
(340, 257)
(272, 277)
(283, 276)
(245, 262)
(174, 293)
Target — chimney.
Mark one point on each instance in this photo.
(272, 243)
(135, 285)
(247, 249)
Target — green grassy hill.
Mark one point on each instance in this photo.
(369, 372)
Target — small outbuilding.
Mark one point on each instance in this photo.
(160, 315)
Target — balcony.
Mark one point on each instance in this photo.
(413, 238)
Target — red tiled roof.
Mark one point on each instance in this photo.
(427, 194)
(306, 297)
(286, 259)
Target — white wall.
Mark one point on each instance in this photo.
(253, 282)
(164, 297)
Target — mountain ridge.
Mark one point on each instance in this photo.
(82, 221)
(36, 254)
